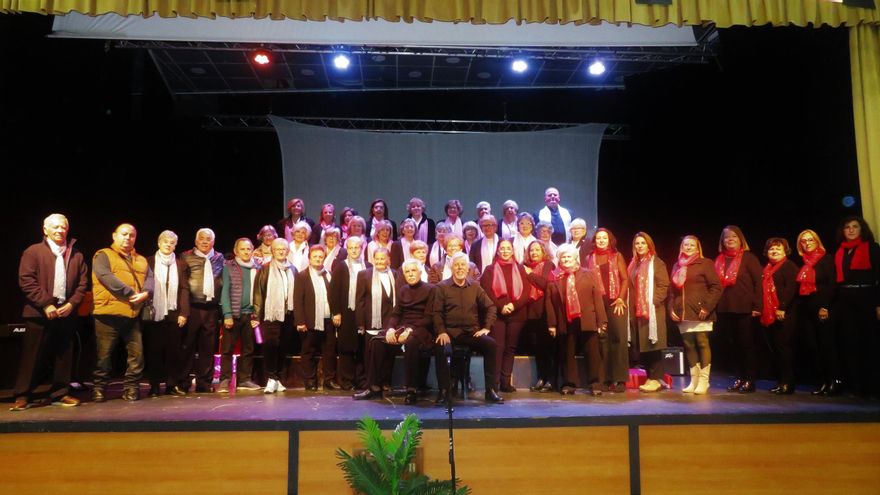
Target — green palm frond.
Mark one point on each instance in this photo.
(406, 438)
(361, 474)
(376, 444)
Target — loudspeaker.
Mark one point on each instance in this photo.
(673, 361)
(11, 336)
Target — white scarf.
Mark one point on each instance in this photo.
(520, 244)
(487, 250)
(545, 215)
(165, 287)
(253, 271)
(331, 257)
(299, 256)
(279, 291)
(208, 276)
(404, 245)
(652, 310)
(382, 284)
(59, 285)
(422, 230)
(322, 306)
(424, 276)
(353, 268)
(263, 254)
(437, 253)
(508, 230)
(447, 268)
(456, 226)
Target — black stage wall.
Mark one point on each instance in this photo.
(766, 143)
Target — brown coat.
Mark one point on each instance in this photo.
(593, 315)
(701, 290)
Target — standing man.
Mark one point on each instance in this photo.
(311, 296)
(204, 277)
(122, 283)
(555, 215)
(52, 277)
(463, 314)
(237, 302)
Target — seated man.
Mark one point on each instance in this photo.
(408, 326)
(459, 304)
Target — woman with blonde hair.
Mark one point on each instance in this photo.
(695, 293)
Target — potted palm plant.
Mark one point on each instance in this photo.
(385, 467)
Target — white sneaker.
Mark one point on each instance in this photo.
(279, 387)
(271, 386)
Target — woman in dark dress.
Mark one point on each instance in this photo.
(696, 290)
(649, 283)
(779, 315)
(856, 309)
(540, 269)
(507, 284)
(740, 274)
(610, 269)
(815, 293)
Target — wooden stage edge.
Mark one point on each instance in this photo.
(650, 454)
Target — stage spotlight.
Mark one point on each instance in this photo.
(597, 68)
(848, 201)
(519, 66)
(262, 57)
(341, 61)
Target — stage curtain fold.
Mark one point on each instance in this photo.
(723, 13)
(864, 47)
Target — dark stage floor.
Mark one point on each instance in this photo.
(338, 410)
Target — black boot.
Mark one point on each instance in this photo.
(442, 397)
(493, 397)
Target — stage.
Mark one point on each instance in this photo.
(630, 442)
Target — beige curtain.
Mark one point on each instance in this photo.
(864, 49)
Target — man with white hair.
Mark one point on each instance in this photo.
(52, 277)
(463, 314)
(483, 209)
(555, 215)
(204, 278)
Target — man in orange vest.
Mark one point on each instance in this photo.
(122, 283)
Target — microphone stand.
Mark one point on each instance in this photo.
(449, 413)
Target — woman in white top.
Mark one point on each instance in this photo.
(509, 212)
(263, 253)
(545, 235)
(299, 246)
(471, 234)
(453, 216)
(381, 238)
(524, 237)
(400, 247)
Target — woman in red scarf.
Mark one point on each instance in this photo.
(740, 274)
(695, 293)
(650, 286)
(857, 306)
(540, 270)
(817, 286)
(779, 315)
(507, 284)
(576, 313)
(610, 269)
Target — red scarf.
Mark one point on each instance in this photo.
(680, 270)
(728, 277)
(861, 259)
(538, 268)
(638, 271)
(613, 273)
(499, 285)
(771, 300)
(572, 303)
(807, 276)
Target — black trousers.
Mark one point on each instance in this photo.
(854, 313)
(484, 345)
(109, 330)
(782, 337)
(162, 350)
(653, 361)
(241, 329)
(506, 335)
(588, 342)
(351, 369)
(614, 348)
(742, 327)
(382, 356)
(46, 342)
(312, 340)
(821, 340)
(273, 333)
(546, 350)
(200, 337)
